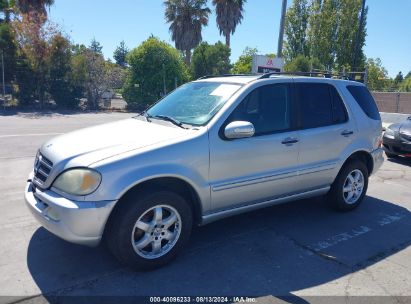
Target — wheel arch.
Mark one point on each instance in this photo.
(170, 183)
(363, 156)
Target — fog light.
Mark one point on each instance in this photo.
(53, 214)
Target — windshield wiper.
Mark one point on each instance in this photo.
(170, 119)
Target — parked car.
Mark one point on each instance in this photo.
(213, 148)
(397, 139)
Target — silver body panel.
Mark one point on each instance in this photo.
(229, 177)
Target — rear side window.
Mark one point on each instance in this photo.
(320, 105)
(365, 101)
(339, 110)
(315, 105)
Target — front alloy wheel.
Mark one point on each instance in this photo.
(148, 229)
(156, 231)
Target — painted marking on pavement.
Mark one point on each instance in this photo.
(33, 134)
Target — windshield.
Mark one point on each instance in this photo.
(194, 103)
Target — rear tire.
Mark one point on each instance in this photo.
(149, 229)
(350, 186)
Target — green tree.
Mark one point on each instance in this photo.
(186, 18)
(95, 46)
(322, 31)
(377, 75)
(33, 35)
(405, 85)
(296, 24)
(6, 8)
(245, 62)
(150, 64)
(64, 91)
(229, 15)
(399, 78)
(120, 54)
(25, 80)
(210, 60)
(9, 49)
(348, 33)
(303, 64)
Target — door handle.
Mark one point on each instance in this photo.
(347, 133)
(289, 141)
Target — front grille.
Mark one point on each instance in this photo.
(42, 168)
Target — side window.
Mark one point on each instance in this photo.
(315, 105)
(365, 100)
(267, 108)
(339, 111)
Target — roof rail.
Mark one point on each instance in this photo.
(225, 75)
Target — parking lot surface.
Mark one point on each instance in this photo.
(290, 253)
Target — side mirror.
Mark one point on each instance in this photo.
(239, 129)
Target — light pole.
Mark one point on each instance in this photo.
(281, 34)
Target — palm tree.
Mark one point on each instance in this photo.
(38, 6)
(186, 18)
(229, 15)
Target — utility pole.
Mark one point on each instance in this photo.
(357, 42)
(4, 85)
(281, 34)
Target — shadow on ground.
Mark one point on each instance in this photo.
(273, 251)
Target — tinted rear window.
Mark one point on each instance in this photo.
(315, 105)
(365, 100)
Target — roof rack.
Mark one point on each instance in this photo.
(317, 73)
(310, 74)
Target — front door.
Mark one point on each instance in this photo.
(262, 167)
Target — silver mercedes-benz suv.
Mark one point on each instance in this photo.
(213, 148)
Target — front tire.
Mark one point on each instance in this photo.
(149, 229)
(350, 186)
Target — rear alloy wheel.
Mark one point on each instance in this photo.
(149, 229)
(350, 186)
(353, 186)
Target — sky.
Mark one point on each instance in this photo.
(109, 22)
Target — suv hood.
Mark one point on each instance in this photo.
(86, 146)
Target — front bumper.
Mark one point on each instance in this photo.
(378, 158)
(74, 221)
(396, 146)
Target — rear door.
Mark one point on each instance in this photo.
(326, 130)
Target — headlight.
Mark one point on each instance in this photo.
(80, 181)
(389, 133)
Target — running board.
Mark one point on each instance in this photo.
(208, 218)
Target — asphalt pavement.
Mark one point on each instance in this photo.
(299, 252)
